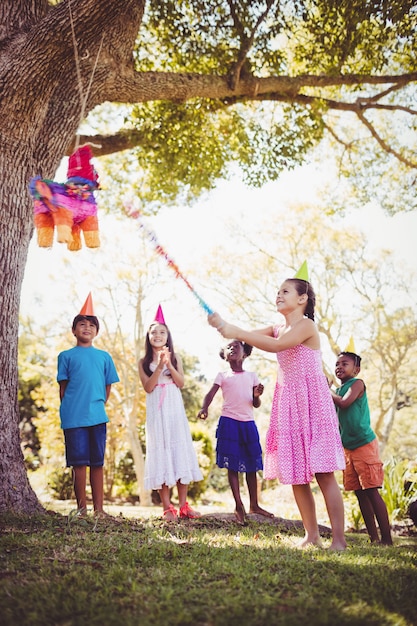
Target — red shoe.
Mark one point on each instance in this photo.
(170, 513)
(187, 512)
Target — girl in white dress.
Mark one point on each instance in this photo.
(170, 455)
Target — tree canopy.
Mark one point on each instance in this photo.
(209, 84)
(261, 83)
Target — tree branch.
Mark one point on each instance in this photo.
(246, 41)
(383, 144)
(146, 86)
(103, 145)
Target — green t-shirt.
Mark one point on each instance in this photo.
(354, 421)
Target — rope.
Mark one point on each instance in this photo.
(83, 99)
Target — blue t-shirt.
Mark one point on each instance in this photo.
(88, 372)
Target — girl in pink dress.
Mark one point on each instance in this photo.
(303, 439)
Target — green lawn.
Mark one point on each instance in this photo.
(210, 572)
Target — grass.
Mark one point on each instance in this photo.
(61, 571)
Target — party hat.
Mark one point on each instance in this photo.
(159, 317)
(80, 168)
(351, 346)
(302, 273)
(87, 308)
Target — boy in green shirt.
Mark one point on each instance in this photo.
(364, 472)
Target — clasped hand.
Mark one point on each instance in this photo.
(164, 356)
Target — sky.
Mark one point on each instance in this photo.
(187, 233)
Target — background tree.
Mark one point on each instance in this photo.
(303, 60)
(31, 363)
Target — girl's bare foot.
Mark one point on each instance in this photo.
(170, 514)
(307, 543)
(259, 511)
(338, 546)
(387, 542)
(102, 515)
(240, 515)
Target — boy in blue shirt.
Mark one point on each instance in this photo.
(364, 473)
(85, 375)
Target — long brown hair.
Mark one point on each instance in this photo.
(148, 358)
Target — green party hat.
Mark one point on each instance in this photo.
(302, 273)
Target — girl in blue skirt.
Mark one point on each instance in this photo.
(238, 447)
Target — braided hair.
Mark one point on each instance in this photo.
(356, 358)
(302, 287)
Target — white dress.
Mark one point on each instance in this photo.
(170, 454)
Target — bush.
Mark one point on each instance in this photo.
(125, 482)
(400, 487)
(205, 455)
(61, 484)
(352, 509)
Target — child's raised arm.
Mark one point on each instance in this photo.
(303, 332)
(149, 382)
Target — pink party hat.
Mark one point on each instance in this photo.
(159, 317)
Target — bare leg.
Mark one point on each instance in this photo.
(252, 483)
(381, 514)
(97, 488)
(307, 507)
(368, 514)
(334, 504)
(182, 493)
(235, 487)
(164, 494)
(79, 475)
(187, 511)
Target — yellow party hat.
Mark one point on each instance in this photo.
(351, 346)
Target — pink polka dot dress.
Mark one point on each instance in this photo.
(303, 436)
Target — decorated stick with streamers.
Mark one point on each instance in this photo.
(136, 214)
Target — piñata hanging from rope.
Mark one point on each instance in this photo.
(136, 214)
(68, 207)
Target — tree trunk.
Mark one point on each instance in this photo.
(138, 458)
(40, 113)
(15, 233)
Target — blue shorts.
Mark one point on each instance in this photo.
(85, 445)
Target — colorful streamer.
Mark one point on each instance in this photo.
(136, 214)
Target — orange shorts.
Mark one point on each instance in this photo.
(364, 469)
